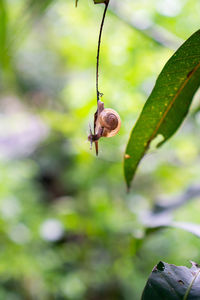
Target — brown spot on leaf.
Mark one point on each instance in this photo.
(127, 156)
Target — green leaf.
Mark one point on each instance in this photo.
(170, 282)
(100, 1)
(167, 105)
(95, 2)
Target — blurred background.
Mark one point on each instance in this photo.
(68, 229)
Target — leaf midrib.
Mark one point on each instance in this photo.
(172, 102)
(190, 286)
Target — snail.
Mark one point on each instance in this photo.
(107, 123)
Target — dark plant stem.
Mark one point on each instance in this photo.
(98, 51)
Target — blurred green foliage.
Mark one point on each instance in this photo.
(68, 228)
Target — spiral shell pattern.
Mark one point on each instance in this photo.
(110, 121)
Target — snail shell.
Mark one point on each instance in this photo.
(109, 121)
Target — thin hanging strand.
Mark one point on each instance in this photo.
(98, 51)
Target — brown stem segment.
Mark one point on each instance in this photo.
(98, 50)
